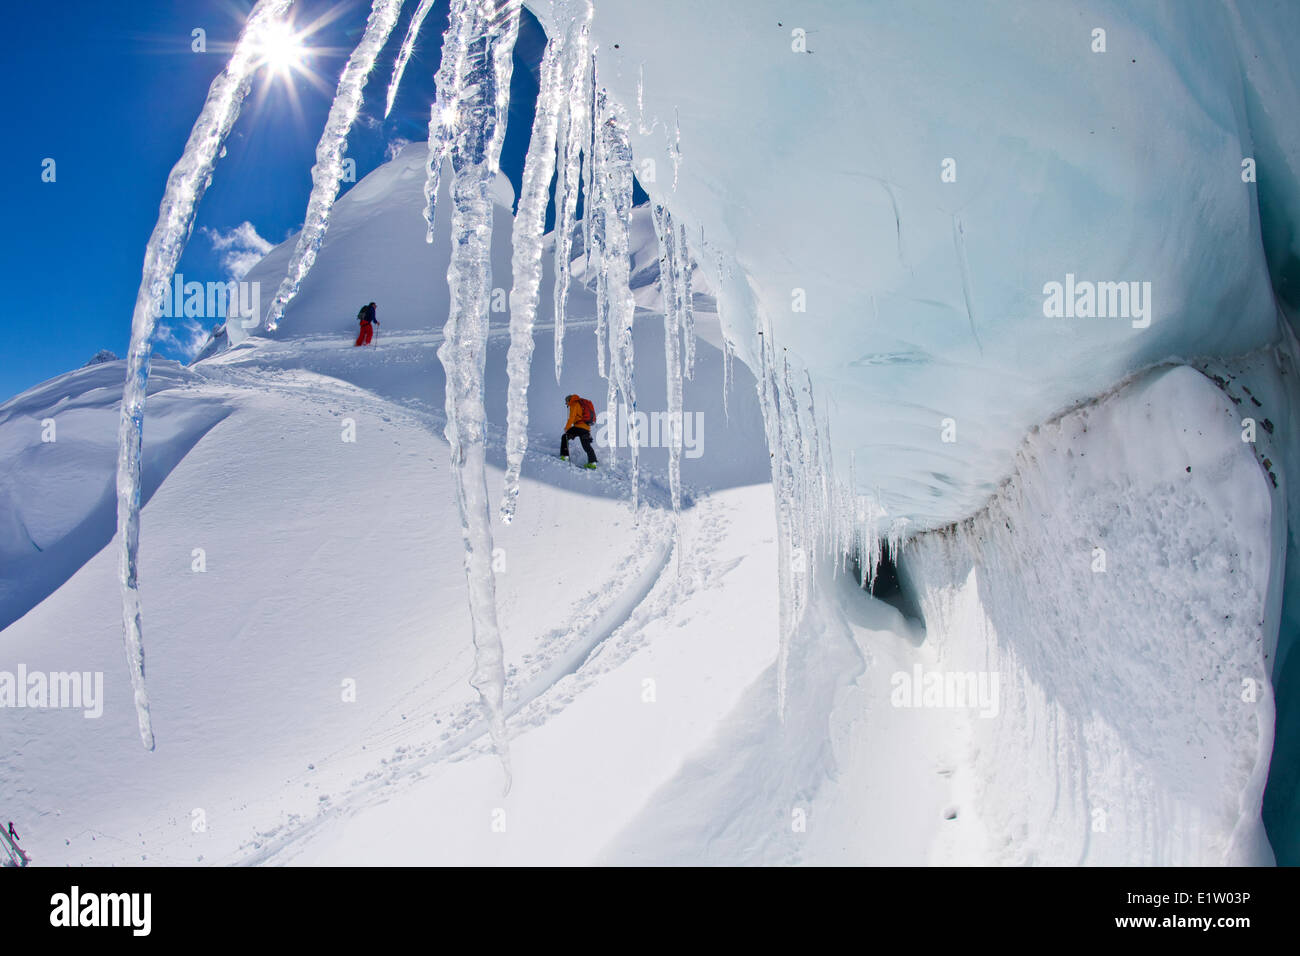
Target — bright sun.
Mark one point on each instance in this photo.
(281, 49)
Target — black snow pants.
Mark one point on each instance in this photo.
(581, 433)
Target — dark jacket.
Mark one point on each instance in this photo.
(367, 314)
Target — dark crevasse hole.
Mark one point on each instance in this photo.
(889, 586)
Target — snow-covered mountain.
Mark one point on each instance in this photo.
(1089, 661)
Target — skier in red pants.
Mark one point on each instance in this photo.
(367, 319)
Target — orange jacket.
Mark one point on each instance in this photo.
(575, 415)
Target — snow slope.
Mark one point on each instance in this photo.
(58, 501)
(332, 566)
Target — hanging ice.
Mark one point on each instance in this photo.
(475, 153)
(671, 293)
(588, 153)
(685, 274)
(404, 54)
(530, 223)
(570, 143)
(185, 185)
(595, 238)
(328, 170)
(613, 176)
(447, 112)
(780, 420)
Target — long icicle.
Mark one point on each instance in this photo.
(588, 153)
(570, 139)
(475, 156)
(447, 111)
(328, 171)
(598, 200)
(185, 186)
(685, 286)
(594, 213)
(614, 172)
(505, 31)
(664, 229)
(530, 224)
(404, 54)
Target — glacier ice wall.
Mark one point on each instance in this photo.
(912, 299)
(1118, 586)
(890, 190)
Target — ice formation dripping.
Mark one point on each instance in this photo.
(185, 186)
(328, 171)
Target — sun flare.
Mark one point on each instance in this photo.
(282, 50)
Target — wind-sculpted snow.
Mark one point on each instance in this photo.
(328, 171)
(185, 186)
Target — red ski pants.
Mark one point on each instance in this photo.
(366, 334)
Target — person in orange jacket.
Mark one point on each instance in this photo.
(582, 415)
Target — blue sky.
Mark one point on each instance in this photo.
(109, 91)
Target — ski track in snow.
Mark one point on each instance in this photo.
(607, 632)
(606, 627)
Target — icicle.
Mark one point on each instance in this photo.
(820, 502)
(463, 351)
(328, 170)
(727, 353)
(505, 29)
(663, 223)
(530, 223)
(447, 112)
(685, 269)
(614, 174)
(769, 401)
(675, 148)
(572, 133)
(595, 211)
(640, 102)
(588, 152)
(404, 54)
(185, 186)
(795, 459)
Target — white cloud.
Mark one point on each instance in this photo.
(395, 147)
(242, 246)
(184, 335)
